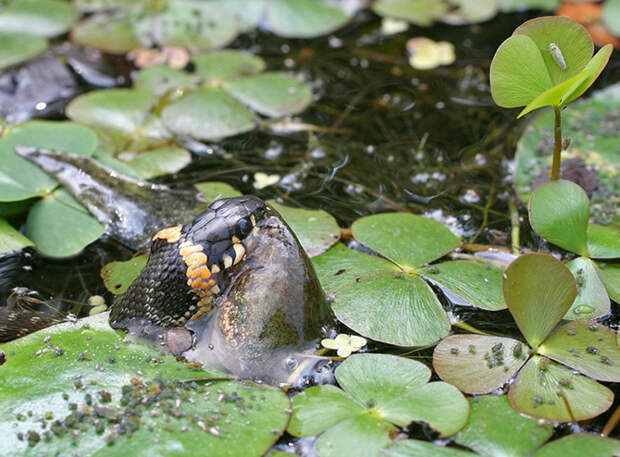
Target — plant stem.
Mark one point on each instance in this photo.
(612, 422)
(557, 144)
(469, 328)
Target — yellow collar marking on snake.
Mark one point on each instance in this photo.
(170, 234)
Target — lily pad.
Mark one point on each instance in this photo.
(543, 389)
(495, 429)
(469, 283)
(579, 445)
(470, 11)
(160, 79)
(43, 18)
(418, 12)
(377, 299)
(226, 65)
(610, 276)
(316, 230)
(61, 227)
(209, 114)
(587, 346)
(539, 290)
(10, 239)
(117, 276)
(478, 364)
(592, 300)
(303, 18)
(157, 162)
(124, 110)
(405, 238)
(272, 94)
(113, 33)
(87, 371)
(17, 47)
(603, 242)
(19, 178)
(416, 448)
(378, 391)
(213, 190)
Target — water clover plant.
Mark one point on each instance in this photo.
(213, 104)
(494, 429)
(344, 344)
(379, 393)
(387, 297)
(559, 212)
(546, 62)
(539, 290)
(92, 390)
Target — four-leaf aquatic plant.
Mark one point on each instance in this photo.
(546, 62)
(539, 290)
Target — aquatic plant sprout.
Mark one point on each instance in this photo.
(546, 62)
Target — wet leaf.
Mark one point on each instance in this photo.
(418, 12)
(603, 241)
(89, 358)
(117, 276)
(111, 33)
(379, 301)
(610, 276)
(404, 238)
(611, 16)
(19, 178)
(17, 47)
(470, 11)
(10, 239)
(44, 18)
(316, 230)
(542, 389)
(124, 110)
(426, 54)
(539, 290)
(378, 391)
(415, 448)
(579, 445)
(226, 65)
(592, 300)
(272, 94)
(521, 5)
(160, 79)
(208, 114)
(469, 283)
(60, 227)
(214, 190)
(478, 364)
(157, 162)
(303, 18)
(558, 212)
(495, 429)
(98, 5)
(585, 346)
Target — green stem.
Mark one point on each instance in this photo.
(469, 328)
(557, 144)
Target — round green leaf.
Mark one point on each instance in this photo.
(376, 299)
(603, 242)
(360, 436)
(60, 227)
(593, 69)
(317, 230)
(19, 178)
(592, 300)
(512, 83)
(555, 95)
(272, 94)
(16, 47)
(587, 347)
(470, 11)
(10, 239)
(157, 162)
(303, 18)
(192, 24)
(160, 79)
(611, 16)
(89, 359)
(408, 240)
(610, 276)
(247, 12)
(539, 290)
(110, 33)
(44, 18)
(415, 448)
(214, 190)
(125, 110)
(558, 211)
(543, 389)
(418, 12)
(89, 6)
(520, 5)
(226, 65)
(579, 445)
(495, 429)
(469, 283)
(478, 364)
(117, 276)
(207, 114)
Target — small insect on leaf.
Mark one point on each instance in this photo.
(556, 53)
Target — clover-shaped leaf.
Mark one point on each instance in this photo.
(539, 290)
(344, 344)
(379, 392)
(10, 239)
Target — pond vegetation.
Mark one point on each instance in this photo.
(470, 259)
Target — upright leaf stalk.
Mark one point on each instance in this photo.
(557, 144)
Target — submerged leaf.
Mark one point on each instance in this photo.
(10, 239)
(117, 276)
(592, 300)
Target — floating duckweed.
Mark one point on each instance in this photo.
(496, 356)
(592, 350)
(571, 331)
(454, 351)
(566, 383)
(543, 364)
(517, 350)
(472, 349)
(592, 326)
(537, 400)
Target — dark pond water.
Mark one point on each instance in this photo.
(395, 139)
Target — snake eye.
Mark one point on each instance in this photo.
(243, 227)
